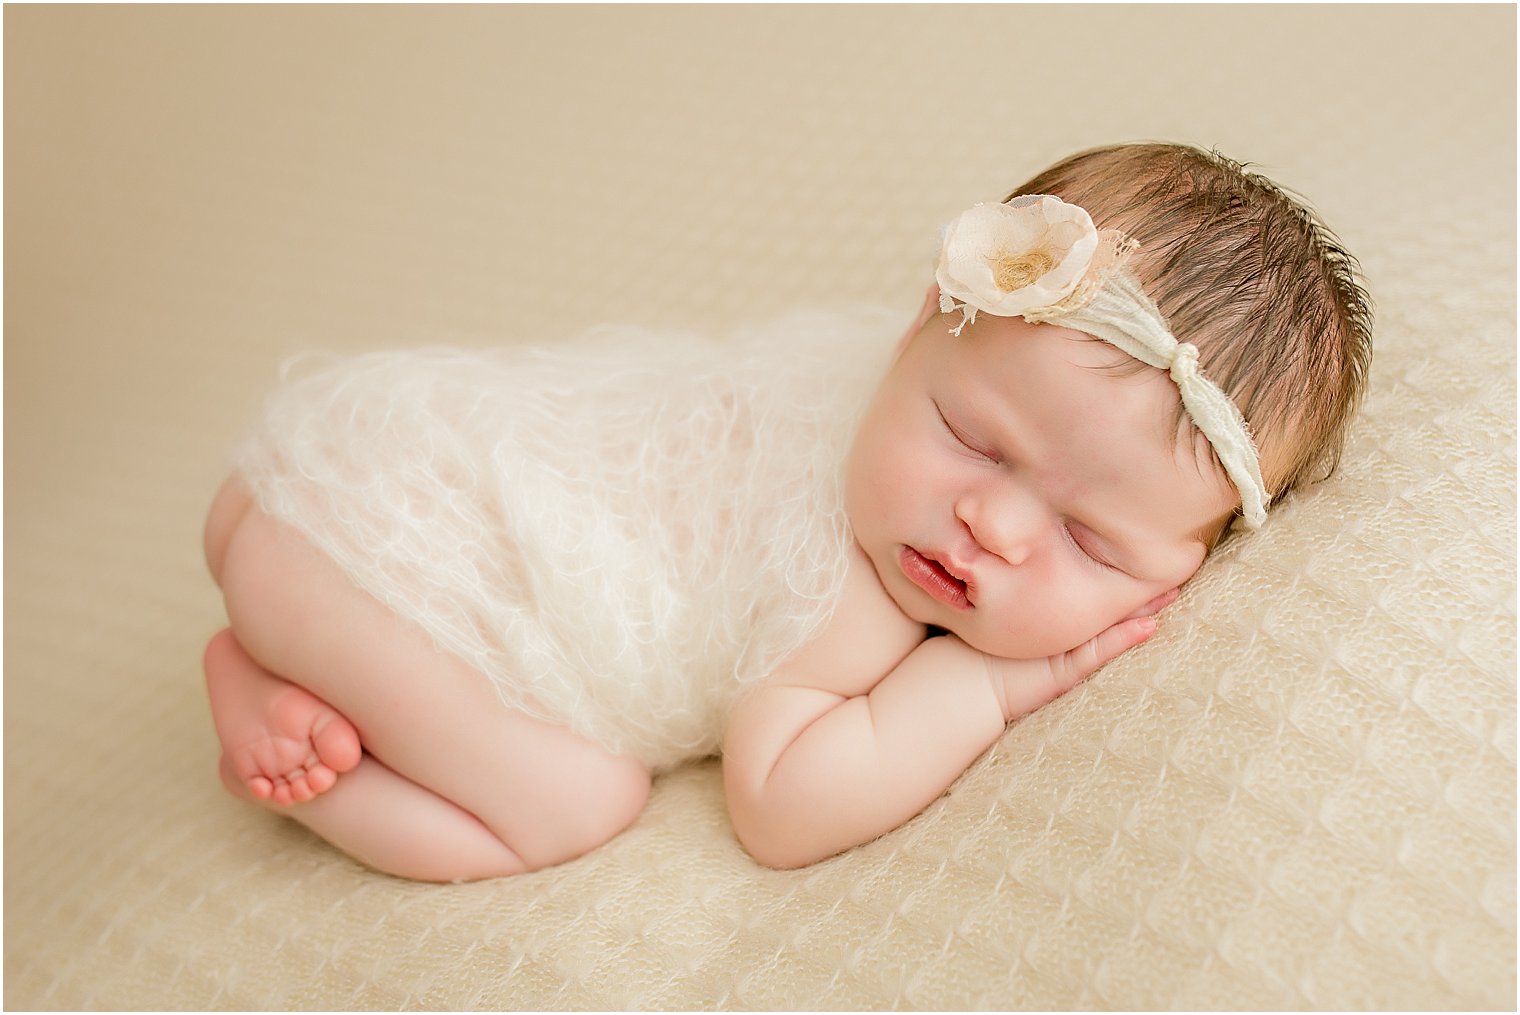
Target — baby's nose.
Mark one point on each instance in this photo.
(1007, 524)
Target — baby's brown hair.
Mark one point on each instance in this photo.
(1248, 273)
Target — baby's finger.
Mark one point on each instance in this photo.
(1073, 667)
(1067, 670)
(1156, 605)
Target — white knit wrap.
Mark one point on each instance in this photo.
(621, 532)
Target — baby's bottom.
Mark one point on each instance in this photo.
(450, 785)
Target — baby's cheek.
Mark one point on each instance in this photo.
(1064, 628)
(1022, 637)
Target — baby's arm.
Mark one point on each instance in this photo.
(830, 753)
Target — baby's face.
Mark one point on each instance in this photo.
(1010, 492)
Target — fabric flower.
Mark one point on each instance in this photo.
(1034, 257)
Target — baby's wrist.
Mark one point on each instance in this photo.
(997, 677)
(998, 672)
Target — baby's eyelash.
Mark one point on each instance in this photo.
(1086, 554)
(961, 440)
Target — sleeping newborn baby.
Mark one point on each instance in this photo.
(478, 598)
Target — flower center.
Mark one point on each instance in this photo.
(1012, 272)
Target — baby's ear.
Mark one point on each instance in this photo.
(928, 310)
(930, 307)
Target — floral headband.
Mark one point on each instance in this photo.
(1042, 259)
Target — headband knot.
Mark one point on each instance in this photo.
(1184, 363)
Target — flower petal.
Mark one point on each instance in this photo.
(990, 246)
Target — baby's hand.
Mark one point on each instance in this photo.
(1023, 685)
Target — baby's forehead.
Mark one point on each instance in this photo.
(1098, 362)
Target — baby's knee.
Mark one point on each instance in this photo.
(623, 792)
(600, 801)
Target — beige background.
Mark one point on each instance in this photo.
(1301, 795)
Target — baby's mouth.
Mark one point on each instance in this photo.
(951, 587)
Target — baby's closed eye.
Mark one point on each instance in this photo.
(964, 439)
(1086, 545)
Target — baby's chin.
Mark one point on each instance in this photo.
(1016, 644)
(1035, 643)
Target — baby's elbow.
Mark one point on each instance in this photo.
(753, 831)
(775, 852)
(760, 830)
(771, 851)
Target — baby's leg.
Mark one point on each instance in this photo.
(430, 724)
(440, 841)
(282, 743)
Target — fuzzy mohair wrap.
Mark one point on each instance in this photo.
(621, 532)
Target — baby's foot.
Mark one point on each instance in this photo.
(283, 743)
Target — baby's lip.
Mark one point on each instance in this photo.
(957, 571)
(960, 572)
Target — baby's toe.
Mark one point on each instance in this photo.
(283, 793)
(300, 789)
(320, 778)
(337, 744)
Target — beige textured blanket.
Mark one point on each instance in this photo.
(1300, 794)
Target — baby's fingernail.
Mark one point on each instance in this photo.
(1147, 624)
